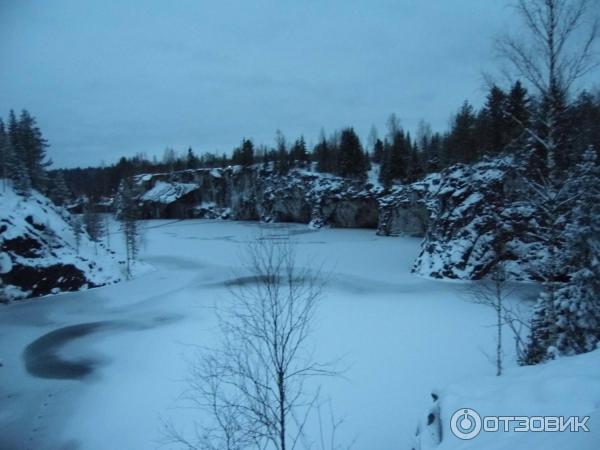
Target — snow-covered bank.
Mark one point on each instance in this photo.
(40, 253)
(400, 336)
(567, 387)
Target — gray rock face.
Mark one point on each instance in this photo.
(255, 194)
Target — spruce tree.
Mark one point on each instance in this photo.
(578, 301)
(323, 156)
(192, 161)
(298, 153)
(396, 156)
(15, 162)
(32, 146)
(377, 154)
(462, 142)
(493, 122)
(351, 158)
(518, 113)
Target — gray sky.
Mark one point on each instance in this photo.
(116, 77)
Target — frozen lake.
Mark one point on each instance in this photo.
(104, 368)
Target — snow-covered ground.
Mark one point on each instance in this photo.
(113, 368)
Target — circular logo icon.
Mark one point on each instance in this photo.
(465, 424)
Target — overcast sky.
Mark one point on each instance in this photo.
(112, 78)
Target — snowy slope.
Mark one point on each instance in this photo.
(565, 387)
(38, 250)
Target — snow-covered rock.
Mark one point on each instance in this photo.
(38, 250)
(475, 214)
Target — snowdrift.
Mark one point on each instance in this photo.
(565, 387)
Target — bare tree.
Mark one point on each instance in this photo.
(77, 224)
(547, 58)
(556, 52)
(493, 292)
(93, 224)
(253, 385)
(128, 215)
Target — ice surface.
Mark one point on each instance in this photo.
(399, 335)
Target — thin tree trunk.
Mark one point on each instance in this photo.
(281, 383)
(499, 344)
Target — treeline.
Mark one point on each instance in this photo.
(497, 127)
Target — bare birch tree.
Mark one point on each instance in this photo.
(254, 385)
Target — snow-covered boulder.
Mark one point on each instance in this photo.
(566, 387)
(38, 254)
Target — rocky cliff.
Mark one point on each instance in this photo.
(477, 218)
(38, 254)
(257, 194)
(468, 214)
